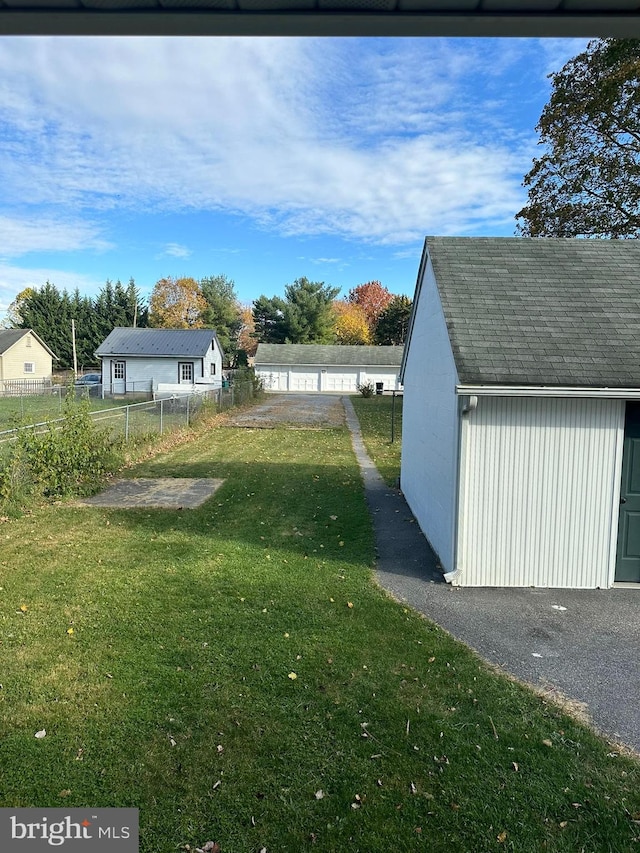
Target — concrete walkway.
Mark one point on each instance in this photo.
(583, 643)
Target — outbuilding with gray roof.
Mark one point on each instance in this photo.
(161, 361)
(327, 368)
(521, 420)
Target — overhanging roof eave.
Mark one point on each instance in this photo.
(468, 389)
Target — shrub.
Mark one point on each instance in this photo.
(367, 389)
(70, 457)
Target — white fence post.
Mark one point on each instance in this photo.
(161, 415)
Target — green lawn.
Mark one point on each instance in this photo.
(376, 415)
(36, 408)
(175, 692)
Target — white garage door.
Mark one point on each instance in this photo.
(345, 382)
(304, 381)
(274, 380)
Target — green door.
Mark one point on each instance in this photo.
(628, 559)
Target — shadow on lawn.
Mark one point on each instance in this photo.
(307, 509)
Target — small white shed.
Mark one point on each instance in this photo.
(521, 417)
(163, 361)
(327, 368)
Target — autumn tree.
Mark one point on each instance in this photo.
(351, 326)
(587, 183)
(373, 298)
(177, 303)
(393, 323)
(247, 342)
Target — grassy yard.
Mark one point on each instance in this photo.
(36, 408)
(235, 674)
(375, 416)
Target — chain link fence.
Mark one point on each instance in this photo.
(152, 417)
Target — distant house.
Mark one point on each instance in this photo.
(521, 416)
(331, 369)
(160, 360)
(25, 359)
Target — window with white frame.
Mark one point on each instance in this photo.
(29, 367)
(119, 369)
(213, 368)
(185, 371)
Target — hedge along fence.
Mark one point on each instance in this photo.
(72, 455)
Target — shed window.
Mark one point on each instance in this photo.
(213, 368)
(185, 371)
(29, 367)
(119, 369)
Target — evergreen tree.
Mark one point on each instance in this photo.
(223, 312)
(393, 323)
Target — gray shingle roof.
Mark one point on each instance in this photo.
(192, 343)
(8, 337)
(328, 355)
(526, 311)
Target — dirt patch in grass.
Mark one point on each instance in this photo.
(161, 493)
(302, 411)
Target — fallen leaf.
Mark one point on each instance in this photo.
(70, 631)
(502, 837)
(292, 676)
(350, 604)
(24, 608)
(42, 733)
(563, 823)
(333, 517)
(286, 635)
(547, 742)
(65, 793)
(319, 794)
(220, 748)
(514, 764)
(413, 788)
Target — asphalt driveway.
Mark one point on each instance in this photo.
(584, 644)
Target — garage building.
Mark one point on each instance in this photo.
(315, 368)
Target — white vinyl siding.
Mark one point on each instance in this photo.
(14, 361)
(539, 492)
(430, 425)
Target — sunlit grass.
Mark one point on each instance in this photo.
(380, 420)
(175, 693)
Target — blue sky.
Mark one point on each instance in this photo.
(265, 159)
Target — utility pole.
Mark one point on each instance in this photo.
(73, 341)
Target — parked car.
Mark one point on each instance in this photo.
(89, 379)
(90, 384)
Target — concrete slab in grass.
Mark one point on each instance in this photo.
(162, 493)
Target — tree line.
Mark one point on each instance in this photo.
(309, 313)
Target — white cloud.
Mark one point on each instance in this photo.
(46, 234)
(175, 250)
(13, 279)
(381, 141)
